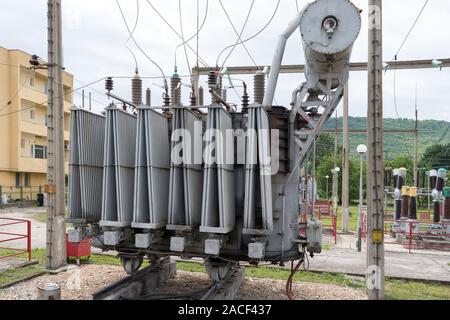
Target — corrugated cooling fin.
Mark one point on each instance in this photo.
(87, 132)
(185, 190)
(151, 182)
(258, 216)
(118, 172)
(218, 205)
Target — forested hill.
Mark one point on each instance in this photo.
(430, 132)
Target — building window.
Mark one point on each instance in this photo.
(17, 180)
(27, 180)
(32, 114)
(31, 81)
(22, 143)
(39, 152)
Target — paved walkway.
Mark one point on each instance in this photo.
(397, 264)
(38, 229)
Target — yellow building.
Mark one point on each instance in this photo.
(23, 117)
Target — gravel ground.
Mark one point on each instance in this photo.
(95, 277)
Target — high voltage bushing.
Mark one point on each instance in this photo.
(175, 90)
(447, 204)
(436, 211)
(109, 84)
(192, 99)
(399, 181)
(214, 85)
(413, 203)
(224, 95)
(148, 97)
(259, 87)
(245, 99)
(200, 96)
(136, 90)
(405, 202)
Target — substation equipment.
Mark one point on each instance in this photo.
(145, 181)
(406, 221)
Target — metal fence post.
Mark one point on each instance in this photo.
(21, 194)
(29, 239)
(410, 236)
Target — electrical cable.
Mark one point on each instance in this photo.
(290, 280)
(199, 28)
(132, 32)
(256, 34)
(237, 33)
(17, 92)
(395, 69)
(45, 102)
(139, 47)
(411, 29)
(182, 37)
(396, 108)
(173, 29)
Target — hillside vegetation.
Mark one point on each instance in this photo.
(430, 132)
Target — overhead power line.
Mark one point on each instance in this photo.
(182, 37)
(410, 30)
(237, 33)
(132, 32)
(45, 102)
(256, 34)
(175, 31)
(199, 28)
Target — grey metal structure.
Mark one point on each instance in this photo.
(218, 204)
(225, 211)
(119, 164)
(152, 169)
(258, 215)
(85, 166)
(185, 193)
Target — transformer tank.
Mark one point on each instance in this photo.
(165, 194)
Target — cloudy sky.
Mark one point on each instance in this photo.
(95, 35)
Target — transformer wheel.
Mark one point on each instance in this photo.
(131, 265)
(218, 271)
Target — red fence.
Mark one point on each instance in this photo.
(423, 221)
(4, 222)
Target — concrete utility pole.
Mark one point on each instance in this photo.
(345, 165)
(56, 245)
(375, 161)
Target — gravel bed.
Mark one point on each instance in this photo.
(96, 277)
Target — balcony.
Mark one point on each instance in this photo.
(39, 97)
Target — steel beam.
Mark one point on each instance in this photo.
(354, 66)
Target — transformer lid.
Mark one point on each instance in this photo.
(314, 35)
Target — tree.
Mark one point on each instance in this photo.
(325, 147)
(436, 156)
(403, 162)
(324, 169)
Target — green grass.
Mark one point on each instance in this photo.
(13, 275)
(394, 290)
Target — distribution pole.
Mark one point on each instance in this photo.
(345, 165)
(56, 247)
(375, 159)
